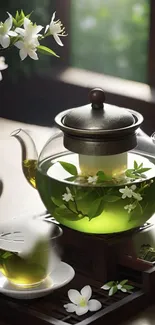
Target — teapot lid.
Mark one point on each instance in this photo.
(99, 128)
(97, 115)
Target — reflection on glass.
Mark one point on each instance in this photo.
(111, 36)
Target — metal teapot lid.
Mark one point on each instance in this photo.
(99, 128)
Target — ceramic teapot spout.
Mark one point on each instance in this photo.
(29, 155)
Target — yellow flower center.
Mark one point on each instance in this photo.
(83, 302)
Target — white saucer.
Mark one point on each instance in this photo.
(59, 278)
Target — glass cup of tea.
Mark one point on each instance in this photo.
(31, 270)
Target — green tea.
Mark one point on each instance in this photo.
(28, 271)
(99, 208)
(29, 169)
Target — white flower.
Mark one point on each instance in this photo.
(129, 207)
(127, 192)
(5, 32)
(81, 302)
(29, 31)
(3, 65)
(137, 196)
(56, 29)
(67, 196)
(29, 42)
(92, 179)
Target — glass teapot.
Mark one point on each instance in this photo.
(91, 175)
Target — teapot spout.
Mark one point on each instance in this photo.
(29, 155)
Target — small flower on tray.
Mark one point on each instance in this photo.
(81, 302)
(114, 286)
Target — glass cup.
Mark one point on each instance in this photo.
(31, 270)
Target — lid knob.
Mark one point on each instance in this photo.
(97, 98)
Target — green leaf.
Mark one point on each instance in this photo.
(17, 15)
(71, 179)
(130, 173)
(111, 198)
(46, 50)
(110, 283)
(20, 22)
(57, 202)
(135, 165)
(70, 168)
(102, 177)
(128, 287)
(142, 170)
(141, 165)
(95, 208)
(22, 15)
(123, 282)
(113, 290)
(6, 255)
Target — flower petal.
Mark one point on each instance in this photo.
(1, 76)
(8, 23)
(133, 187)
(81, 310)
(5, 41)
(119, 286)
(20, 31)
(57, 39)
(12, 33)
(26, 22)
(53, 17)
(33, 55)
(37, 29)
(19, 44)
(74, 296)
(46, 28)
(94, 305)
(86, 292)
(23, 54)
(70, 308)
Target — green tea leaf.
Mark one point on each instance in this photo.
(56, 201)
(123, 282)
(102, 177)
(128, 287)
(95, 208)
(135, 165)
(71, 179)
(142, 170)
(141, 165)
(111, 198)
(46, 50)
(130, 173)
(63, 212)
(113, 290)
(70, 168)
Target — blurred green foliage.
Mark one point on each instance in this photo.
(111, 37)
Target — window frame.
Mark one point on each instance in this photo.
(141, 93)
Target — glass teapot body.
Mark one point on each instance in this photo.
(89, 174)
(92, 200)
